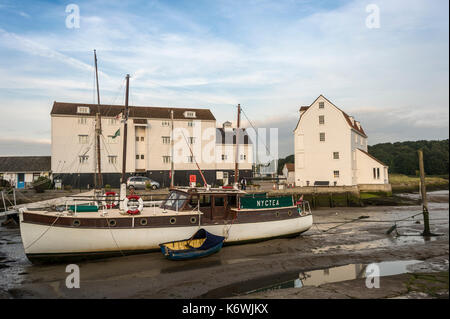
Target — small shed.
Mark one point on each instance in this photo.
(21, 171)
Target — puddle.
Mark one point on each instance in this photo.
(409, 239)
(339, 274)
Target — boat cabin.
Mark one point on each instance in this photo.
(214, 203)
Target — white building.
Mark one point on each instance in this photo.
(148, 144)
(22, 171)
(331, 149)
(289, 173)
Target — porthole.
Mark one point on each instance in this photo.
(76, 223)
(112, 223)
(173, 220)
(193, 220)
(277, 214)
(143, 222)
(290, 213)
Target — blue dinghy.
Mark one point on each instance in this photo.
(201, 244)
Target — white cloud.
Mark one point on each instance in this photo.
(271, 57)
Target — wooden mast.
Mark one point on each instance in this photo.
(172, 177)
(125, 127)
(98, 130)
(236, 164)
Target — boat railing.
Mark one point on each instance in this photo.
(305, 208)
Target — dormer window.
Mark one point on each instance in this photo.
(83, 109)
(189, 114)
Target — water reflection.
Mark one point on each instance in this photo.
(339, 274)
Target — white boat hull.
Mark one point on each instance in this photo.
(42, 240)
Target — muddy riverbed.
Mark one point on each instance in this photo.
(342, 240)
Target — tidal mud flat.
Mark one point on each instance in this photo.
(350, 238)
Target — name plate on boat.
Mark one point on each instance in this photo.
(268, 202)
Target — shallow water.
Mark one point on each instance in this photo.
(339, 274)
(407, 239)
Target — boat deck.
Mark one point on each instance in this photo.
(117, 213)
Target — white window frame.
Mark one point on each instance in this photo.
(112, 159)
(321, 117)
(83, 110)
(321, 105)
(83, 139)
(165, 139)
(320, 137)
(336, 174)
(338, 155)
(189, 114)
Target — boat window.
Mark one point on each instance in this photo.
(175, 201)
(232, 200)
(205, 201)
(219, 201)
(193, 202)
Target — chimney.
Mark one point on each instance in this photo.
(227, 126)
(303, 109)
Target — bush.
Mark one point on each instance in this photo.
(107, 187)
(4, 184)
(41, 184)
(148, 185)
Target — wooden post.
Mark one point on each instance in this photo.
(3, 199)
(423, 191)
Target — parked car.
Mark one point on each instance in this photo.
(140, 182)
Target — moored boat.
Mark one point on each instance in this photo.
(68, 234)
(201, 244)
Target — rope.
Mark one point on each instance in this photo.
(227, 231)
(57, 217)
(257, 136)
(114, 239)
(370, 221)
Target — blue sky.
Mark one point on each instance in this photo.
(270, 56)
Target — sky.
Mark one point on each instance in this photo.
(270, 56)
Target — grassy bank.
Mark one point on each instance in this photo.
(407, 184)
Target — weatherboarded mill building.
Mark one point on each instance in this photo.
(331, 149)
(149, 146)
